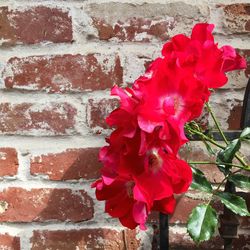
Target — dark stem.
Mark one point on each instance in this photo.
(164, 232)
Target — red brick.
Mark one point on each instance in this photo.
(68, 165)
(34, 118)
(63, 73)
(98, 110)
(246, 54)
(8, 162)
(85, 239)
(35, 25)
(184, 207)
(197, 152)
(237, 18)
(9, 242)
(235, 118)
(143, 22)
(21, 205)
(181, 241)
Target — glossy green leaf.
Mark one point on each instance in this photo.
(233, 202)
(245, 135)
(229, 152)
(200, 182)
(227, 155)
(202, 223)
(240, 180)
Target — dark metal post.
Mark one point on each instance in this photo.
(164, 233)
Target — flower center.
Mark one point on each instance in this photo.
(129, 187)
(154, 161)
(172, 105)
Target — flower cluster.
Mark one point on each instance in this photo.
(141, 169)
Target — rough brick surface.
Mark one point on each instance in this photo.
(20, 205)
(35, 25)
(98, 110)
(58, 61)
(96, 238)
(144, 22)
(237, 18)
(8, 162)
(63, 73)
(68, 165)
(9, 242)
(31, 118)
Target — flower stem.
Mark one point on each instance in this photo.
(216, 123)
(219, 163)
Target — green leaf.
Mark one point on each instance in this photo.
(241, 181)
(233, 202)
(229, 152)
(202, 223)
(200, 182)
(227, 155)
(245, 134)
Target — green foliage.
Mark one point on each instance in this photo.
(227, 155)
(200, 182)
(233, 202)
(202, 223)
(240, 180)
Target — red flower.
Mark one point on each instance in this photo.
(202, 56)
(141, 171)
(120, 202)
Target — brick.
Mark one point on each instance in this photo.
(98, 110)
(144, 22)
(44, 204)
(97, 238)
(182, 241)
(184, 206)
(246, 54)
(34, 25)
(37, 119)
(67, 165)
(8, 162)
(63, 73)
(236, 18)
(235, 118)
(196, 151)
(9, 242)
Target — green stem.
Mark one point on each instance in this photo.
(216, 123)
(219, 163)
(218, 145)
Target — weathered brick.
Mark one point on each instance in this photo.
(234, 118)
(37, 119)
(196, 151)
(34, 25)
(144, 22)
(184, 206)
(236, 18)
(44, 204)
(98, 110)
(63, 73)
(97, 238)
(8, 242)
(8, 162)
(67, 165)
(246, 54)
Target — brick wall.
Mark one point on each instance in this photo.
(58, 60)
